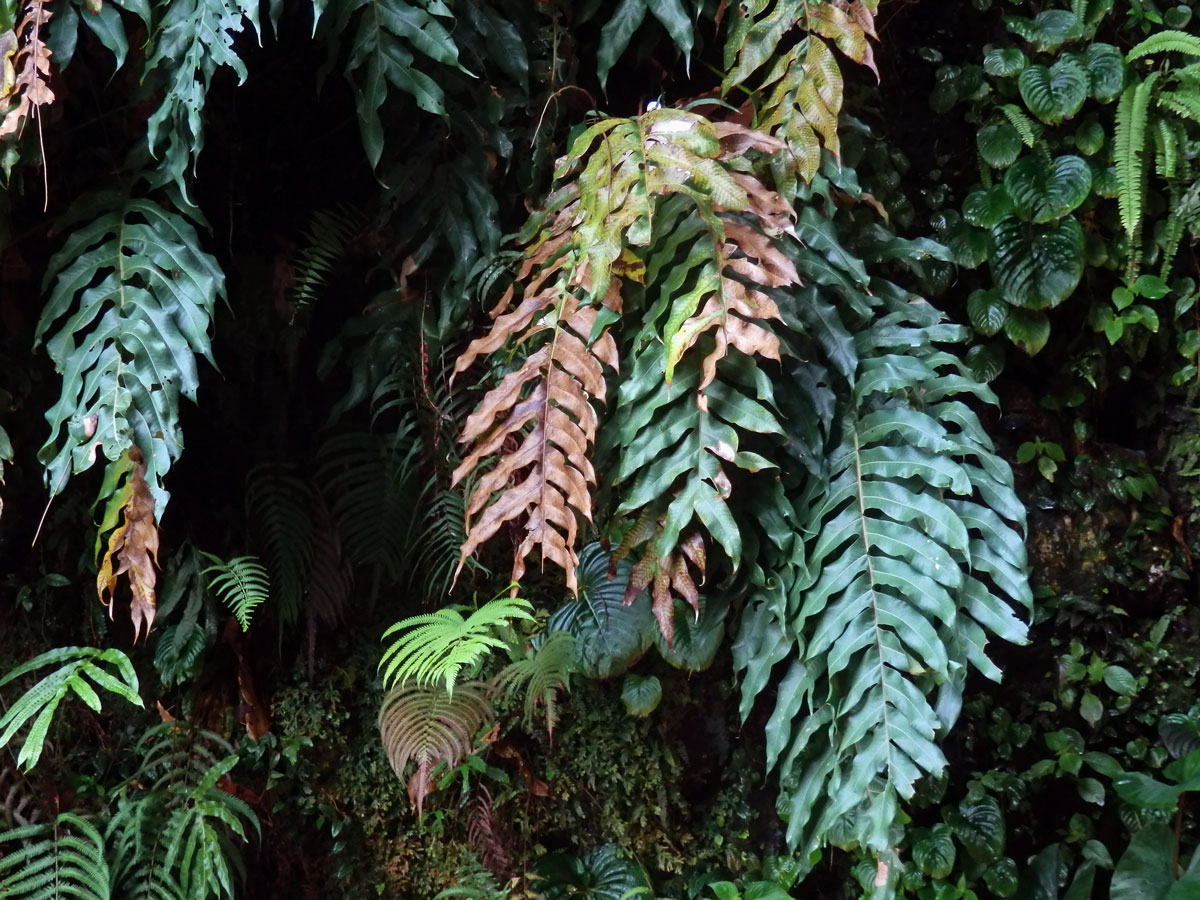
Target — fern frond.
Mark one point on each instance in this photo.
(1184, 103)
(437, 548)
(1129, 144)
(242, 584)
(330, 581)
(1166, 41)
(543, 672)
(66, 859)
(436, 646)
(426, 725)
(127, 347)
(326, 237)
(79, 665)
(486, 835)
(28, 87)
(279, 510)
(473, 882)
(371, 481)
(1029, 130)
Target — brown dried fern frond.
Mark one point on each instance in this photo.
(426, 725)
(486, 835)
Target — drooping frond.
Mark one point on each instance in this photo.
(128, 535)
(1129, 146)
(66, 859)
(436, 646)
(137, 294)
(442, 534)
(330, 581)
(242, 584)
(326, 237)
(486, 834)
(279, 508)
(1166, 41)
(473, 881)
(426, 725)
(543, 672)
(27, 88)
(80, 666)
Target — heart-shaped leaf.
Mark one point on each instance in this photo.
(1048, 30)
(934, 853)
(1106, 71)
(985, 208)
(1055, 93)
(1004, 61)
(641, 694)
(1029, 329)
(1044, 191)
(1037, 267)
(1089, 137)
(985, 361)
(987, 311)
(999, 145)
(970, 246)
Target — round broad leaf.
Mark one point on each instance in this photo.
(1147, 868)
(1106, 71)
(987, 311)
(641, 694)
(985, 208)
(1178, 16)
(934, 854)
(1089, 137)
(609, 636)
(969, 246)
(696, 640)
(602, 873)
(1120, 680)
(1044, 191)
(999, 145)
(1004, 61)
(1037, 266)
(1047, 30)
(1001, 877)
(1144, 792)
(1180, 733)
(1055, 93)
(979, 825)
(1029, 329)
(985, 361)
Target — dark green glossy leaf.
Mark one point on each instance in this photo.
(987, 311)
(1047, 30)
(1004, 61)
(985, 208)
(1044, 191)
(934, 853)
(1106, 71)
(1037, 266)
(1145, 870)
(641, 694)
(999, 145)
(1055, 93)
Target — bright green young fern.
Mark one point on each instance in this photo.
(541, 673)
(80, 668)
(242, 584)
(435, 647)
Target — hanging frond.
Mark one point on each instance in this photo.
(436, 646)
(242, 584)
(473, 880)
(66, 859)
(131, 547)
(486, 834)
(427, 726)
(330, 581)
(1166, 41)
(627, 18)
(1129, 147)
(541, 674)
(135, 294)
(79, 666)
(326, 237)
(279, 509)
(27, 57)
(437, 548)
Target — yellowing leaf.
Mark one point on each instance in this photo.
(132, 547)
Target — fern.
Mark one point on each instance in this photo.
(1029, 130)
(436, 646)
(242, 584)
(326, 238)
(181, 645)
(279, 508)
(27, 88)
(442, 534)
(66, 859)
(427, 725)
(1129, 144)
(382, 53)
(138, 296)
(473, 882)
(79, 666)
(330, 582)
(541, 674)
(1166, 41)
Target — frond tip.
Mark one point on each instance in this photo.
(242, 583)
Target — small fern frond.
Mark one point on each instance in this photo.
(436, 646)
(39, 703)
(1029, 130)
(66, 859)
(426, 725)
(279, 510)
(442, 534)
(473, 882)
(1183, 103)
(486, 835)
(326, 237)
(1169, 41)
(543, 672)
(242, 584)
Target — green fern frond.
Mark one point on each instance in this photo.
(66, 859)
(1168, 41)
(426, 725)
(436, 646)
(1184, 103)
(38, 704)
(442, 534)
(1166, 148)
(545, 670)
(1029, 130)
(279, 508)
(242, 584)
(473, 882)
(1129, 143)
(326, 238)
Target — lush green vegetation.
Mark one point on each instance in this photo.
(634, 448)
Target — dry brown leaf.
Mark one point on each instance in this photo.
(133, 548)
(26, 65)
